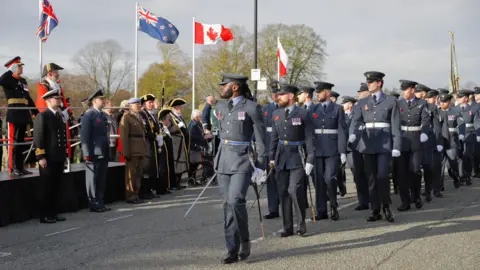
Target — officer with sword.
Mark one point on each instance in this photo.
(291, 131)
(239, 119)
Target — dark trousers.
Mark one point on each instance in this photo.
(17, 153)
(437, 169)
(51, 177)
(326, 169)
(465, 164)
(170, 163)
(476, 160)
(234, 188)
(272, 193)
(410, 176)
(113, 154)
(377, 169)
(454, 161)
(341, 178)
(96, 181)
(290, 185)
(431, 171)
(355, 162)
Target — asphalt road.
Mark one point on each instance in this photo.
(443, 235)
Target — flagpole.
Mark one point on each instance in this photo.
(193, 65)
(278, 59)
(136, 50)
(40, 45)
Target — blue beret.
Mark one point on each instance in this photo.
(134, 100)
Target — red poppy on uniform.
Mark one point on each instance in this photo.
(401, 109)
(315, 115)
(277, 117)
(98, 121)
(266, 113)
(219, 115)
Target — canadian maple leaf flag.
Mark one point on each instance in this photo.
(208, 34)
(282, 60)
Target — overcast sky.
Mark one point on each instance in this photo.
(405, 39)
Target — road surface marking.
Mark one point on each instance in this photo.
(5, 254)
(64, 231)
(117, 218)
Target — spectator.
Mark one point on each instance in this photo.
(112, 128)
(197, 141)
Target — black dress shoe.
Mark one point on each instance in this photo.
(106, 209)
(334, 213)
(271, 215)
(403, 207)
(388, 214)
(97, 210)
(180, 187)
(321, 216)
(26, 172)
(438, 194)
(286, 233)
(476, 175)
(456, 184)
(442, 189)
(59, 218)
(301, 229)
(424, 193)
(419, 203)
(428, 197)
(374, 216)
(145, 196)
(230, 258)
(49, 220)
(469, 181)
(17, 172)
(244, 250)
(361, 207)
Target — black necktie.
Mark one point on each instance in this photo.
(57, 115)
(324, 107)
(409, 103)
(287, 111)
(305, 106)
(374, 98)
(230, 105)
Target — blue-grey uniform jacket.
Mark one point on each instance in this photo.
(94, 134)
(286, 135)
(330, 130)
(414, 120)
(382, 124)
(236, 130)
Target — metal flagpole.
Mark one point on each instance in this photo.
(40, 45)
(255, 45)
(136, 50)
(193, 65)
(278, 59)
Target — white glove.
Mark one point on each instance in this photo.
(461, 137)
(308, 168)
(181, 124)
(272, 164)
(343, 158)
(165, 129)
(423, 137)
(65, 115)
(439, 148)
(478, 138)
(159, 140)
(352, 138)
(258, 176)
(395, 153)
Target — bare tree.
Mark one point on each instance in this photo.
(107, 65)
(171, 53)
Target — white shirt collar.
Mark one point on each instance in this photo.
(53, 110)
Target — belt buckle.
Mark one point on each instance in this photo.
(225, 142)
(285, 142)
(322, 131)
(373, 124)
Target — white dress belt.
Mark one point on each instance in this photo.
(377, 125)
(452, 129)
(326, 131)
(469, 125)
(269, 129)
(412, 128)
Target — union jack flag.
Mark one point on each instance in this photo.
(48, 20)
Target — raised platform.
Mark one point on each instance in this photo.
(19, 195)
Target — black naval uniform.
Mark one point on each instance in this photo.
(239, 120)
(49, 136)
(17, 96)
(292, 132)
